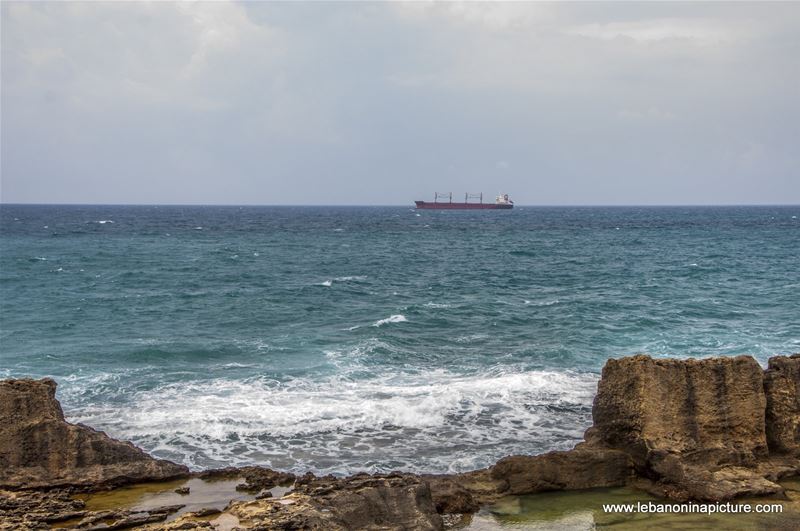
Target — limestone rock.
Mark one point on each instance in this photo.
(584, 467)
(38, 448)
(386, 502)
(706, 410)
(782, 388)
(451, 495)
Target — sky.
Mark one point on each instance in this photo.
(384, 103)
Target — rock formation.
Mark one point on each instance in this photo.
(393, 501)
(708, 430)
(38, 448)
(584, 467)
(782, 388)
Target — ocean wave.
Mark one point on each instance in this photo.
(438, 421)
(399, 318)
(471, 338)
(541, 303)
(329, 283)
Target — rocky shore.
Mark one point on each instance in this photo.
(707, 430)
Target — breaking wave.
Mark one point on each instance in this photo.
(439, 421)
(399, 318)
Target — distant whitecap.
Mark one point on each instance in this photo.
(399, 318)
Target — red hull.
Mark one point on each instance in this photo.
(463, 206)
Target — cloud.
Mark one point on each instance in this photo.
(377, 103)
(699, 31)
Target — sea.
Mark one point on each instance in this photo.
(345, 339)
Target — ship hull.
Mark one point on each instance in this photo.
(463, 206)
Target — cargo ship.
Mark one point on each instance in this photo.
(471, 202)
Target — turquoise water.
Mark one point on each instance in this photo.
(378, 338)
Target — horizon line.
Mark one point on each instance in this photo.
(375, 205)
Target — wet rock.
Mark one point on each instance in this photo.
(357, 502)
(182, 524)
(183, 491)
(34, 509)
(585, 467)
(782, 388)
(127, 521)
(256, 478)
(450, 496)
(38, 448)
(124, 519)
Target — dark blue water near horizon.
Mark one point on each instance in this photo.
(339, 339)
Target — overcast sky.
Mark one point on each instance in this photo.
(312, 103)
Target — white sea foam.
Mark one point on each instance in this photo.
(436, 421)
(104, 221)
(329, 283)
(399, 318)
(471, 338)
(256, 344)
(436, 305)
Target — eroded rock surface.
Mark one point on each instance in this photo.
(394, 501)
(584, 467)
(38, 448)
(700, 427)
(782, 389)
(706, 411)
